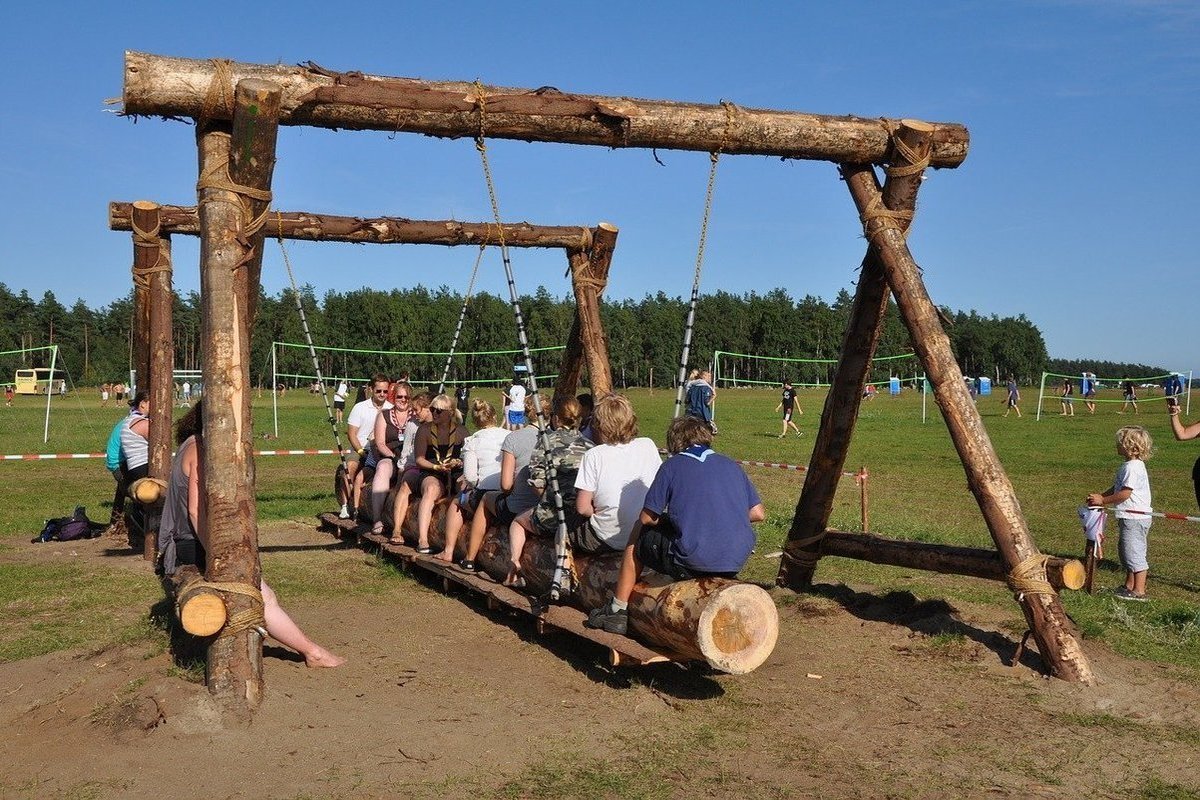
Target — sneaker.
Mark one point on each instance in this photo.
(799, 434)
(605, 618)
(345, 512)
(780, 436)
(1125, 594)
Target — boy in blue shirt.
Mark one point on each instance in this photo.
(695, 520)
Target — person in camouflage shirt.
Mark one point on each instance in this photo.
(566, 448)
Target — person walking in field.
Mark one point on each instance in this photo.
(1130, 494)
(1014, 397)
(8, 396)
(787, 402)
(1088, 385)
(1129, 393)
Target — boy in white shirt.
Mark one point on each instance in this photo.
(1130, 494)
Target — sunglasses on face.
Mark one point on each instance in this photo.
(381, 391)
(435, 411)
(402, 397)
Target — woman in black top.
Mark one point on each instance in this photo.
(439, 456)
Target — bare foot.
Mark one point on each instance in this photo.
(320, 657)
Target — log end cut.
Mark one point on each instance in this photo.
(738, 628)
(202, 613)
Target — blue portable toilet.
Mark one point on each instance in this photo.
(893, 386)
(985, 385)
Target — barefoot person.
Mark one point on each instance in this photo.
(787, 402)
(183, 537)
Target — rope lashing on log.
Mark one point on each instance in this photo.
(802, 557)
(247, 620)
(1029, 576)
(913, 162)
(219, 97)
(217, 177)
(146, 239)
(202, 607)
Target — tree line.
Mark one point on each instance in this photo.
(645, 336)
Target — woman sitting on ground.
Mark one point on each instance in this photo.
(183, 537)
(406, 464)
(515, 494)
(439, 455)
(481, 472)
(390, 425)
(566, 448)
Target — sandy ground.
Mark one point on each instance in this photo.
(443, 698)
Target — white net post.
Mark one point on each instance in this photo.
(1041, 395)
(49, 393)
(274, 383)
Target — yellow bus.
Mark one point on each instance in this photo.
(39, 380)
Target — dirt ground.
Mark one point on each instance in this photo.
(441, 698)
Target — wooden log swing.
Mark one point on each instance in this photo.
(310, 95)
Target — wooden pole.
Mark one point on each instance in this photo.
(588, 278)
(236, 165)
(842, 403)
(147, 263)
(1063, 573)
(986, 477)
(177, 87)
(570, 370)
(306, 226)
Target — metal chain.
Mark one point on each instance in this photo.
(691, 316)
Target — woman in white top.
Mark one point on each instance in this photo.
(481, 472)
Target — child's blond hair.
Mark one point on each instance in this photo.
(1134, 442)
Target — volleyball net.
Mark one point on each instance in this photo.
(1092, 391)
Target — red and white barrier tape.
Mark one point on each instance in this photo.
(1160, 514)
(53, 456)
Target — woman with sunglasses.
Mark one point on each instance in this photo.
(388, 440)
(439, 455)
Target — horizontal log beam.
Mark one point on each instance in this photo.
(1063, 573)
(380, 230)
(179, 87)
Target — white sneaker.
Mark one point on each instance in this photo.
(345, 512)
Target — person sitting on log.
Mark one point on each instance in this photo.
(183, 537)
(439, 455)
(694, 523)
(515, 494)
(406, 464)
(360, 429)
(613, 478)
(388, 441)
(566, 448)
(481, 457)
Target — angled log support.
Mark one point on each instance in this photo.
(986, 478)
(587, 340)
(842, 403)
(236, 164)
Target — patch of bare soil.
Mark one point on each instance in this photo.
(865, 695)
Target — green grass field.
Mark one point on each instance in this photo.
(917, 490)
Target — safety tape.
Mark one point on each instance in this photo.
(1160, 514)
(53, 456)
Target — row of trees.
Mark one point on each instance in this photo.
(645, 335)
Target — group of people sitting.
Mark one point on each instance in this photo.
(688, 517)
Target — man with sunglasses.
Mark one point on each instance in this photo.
(360, 430)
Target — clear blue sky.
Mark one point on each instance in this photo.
(1075, 205)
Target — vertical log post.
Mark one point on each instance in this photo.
(236, 164)
(162, 362)
(150, 260)
(589, 276)
(842, 403)
(986, 477)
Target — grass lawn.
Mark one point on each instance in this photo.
(917, 490)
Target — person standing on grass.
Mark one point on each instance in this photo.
(8, 395)
(1088, 385)
(1130, 495)
(339, 400)
(700, 396)
(1014, 396)
(788, 403)
(1068, 402)
(1184, 433)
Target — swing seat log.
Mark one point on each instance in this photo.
(730, 625)
(200, 610)
(623, 651)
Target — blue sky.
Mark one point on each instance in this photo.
(1074, 205)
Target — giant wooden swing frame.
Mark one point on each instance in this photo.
(266, 96)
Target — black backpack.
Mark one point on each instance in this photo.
(68, 529)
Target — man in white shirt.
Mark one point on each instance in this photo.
(360, 430)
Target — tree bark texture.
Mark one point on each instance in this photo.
(587, 340)
(179, 87)
(227, 250)
(1063, 573)
(147, 258)
(986, 477)
(161, 384)
(844, 399)
(310, 227)
(730, 625)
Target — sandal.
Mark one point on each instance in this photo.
(467, 565)
(425, 551)
(377, 529)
